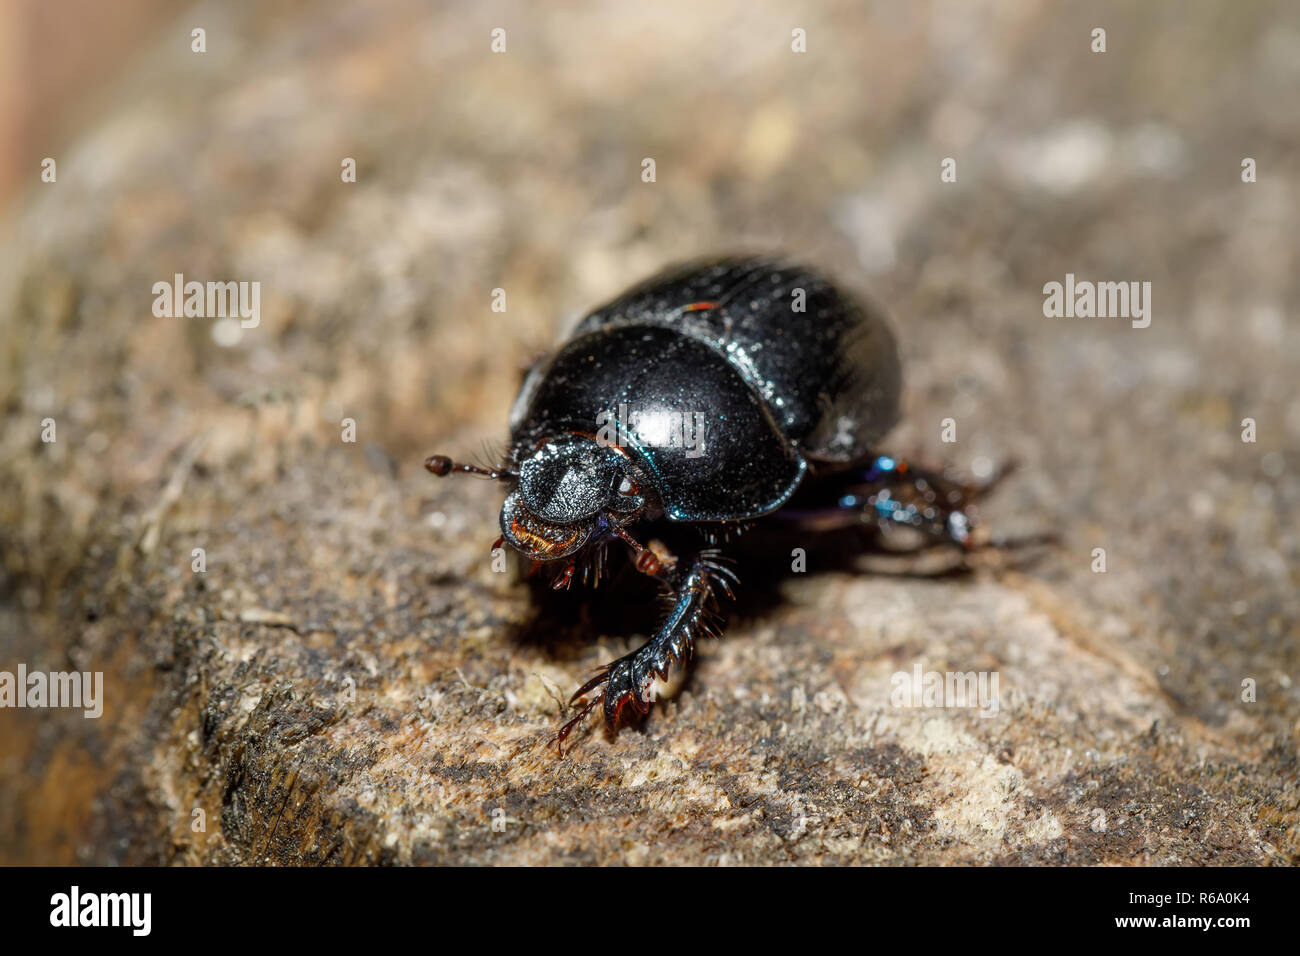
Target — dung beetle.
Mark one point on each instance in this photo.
(714, 397)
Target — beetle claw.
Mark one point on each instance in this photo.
(591, 685)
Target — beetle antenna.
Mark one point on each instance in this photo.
(441, 465)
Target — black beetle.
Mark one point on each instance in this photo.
(711, 396)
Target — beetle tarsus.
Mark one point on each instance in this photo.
(567, 729)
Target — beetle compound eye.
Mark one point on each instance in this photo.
(627, 500)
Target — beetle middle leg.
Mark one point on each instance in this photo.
(693, 611)
(890, 494)
(894, 495)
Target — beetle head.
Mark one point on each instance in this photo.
(568, 488)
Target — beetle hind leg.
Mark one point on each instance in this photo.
(693, 612)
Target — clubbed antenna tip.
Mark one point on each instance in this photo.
(438, 464)
(441, 465)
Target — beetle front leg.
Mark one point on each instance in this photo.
(655, 561)
(694, 611)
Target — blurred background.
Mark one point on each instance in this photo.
(54, 58)
(817, 130)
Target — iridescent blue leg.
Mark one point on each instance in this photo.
(891, 494)
(899, 494)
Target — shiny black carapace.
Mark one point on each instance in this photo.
(713, 398)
